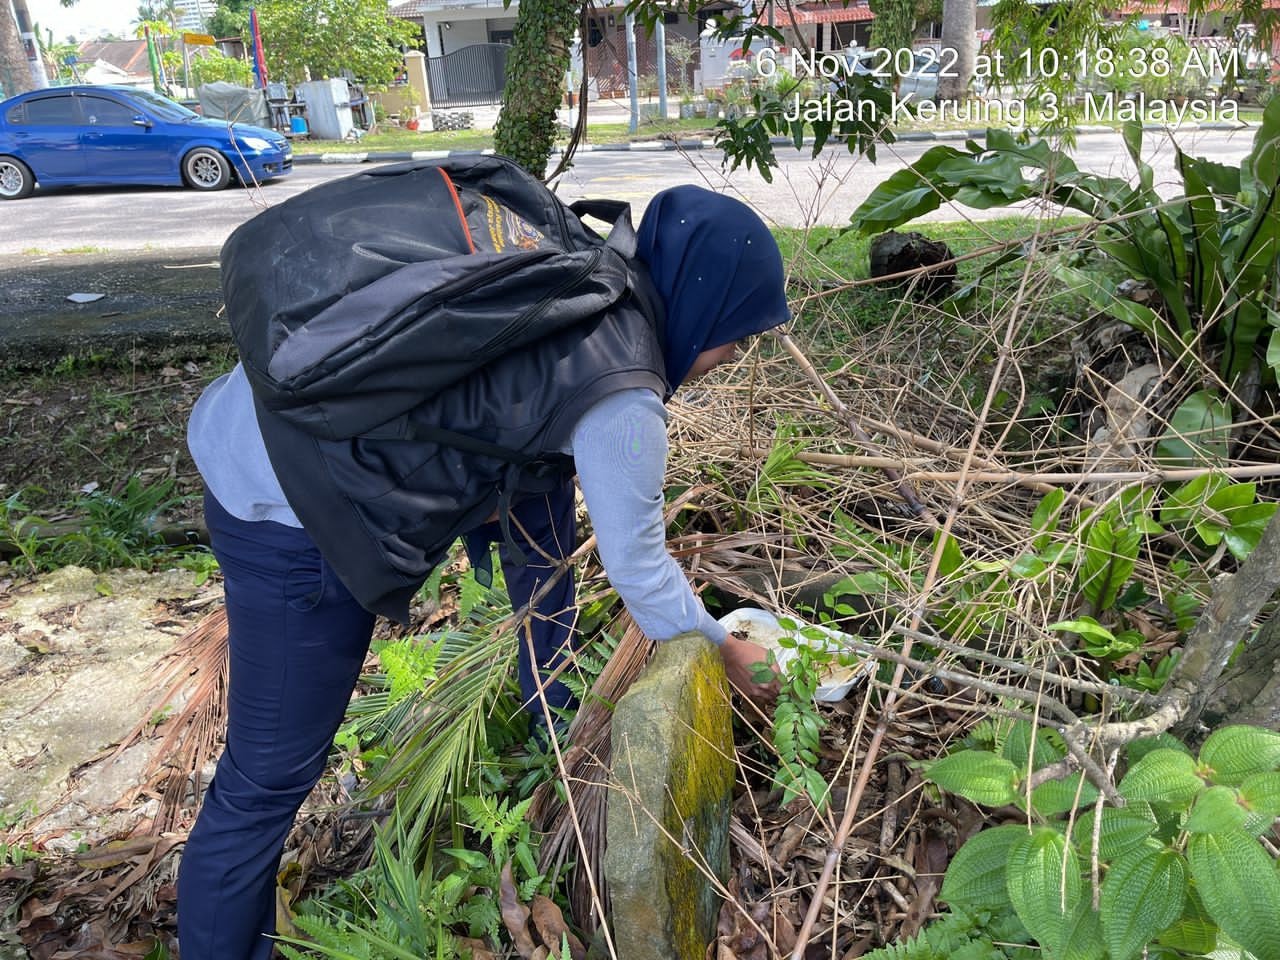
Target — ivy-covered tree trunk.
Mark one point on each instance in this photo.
(536, 67)
(894, 25)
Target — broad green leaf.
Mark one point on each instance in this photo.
(1017, 746)
(1186, 502)
(1194, 932)
(1082, 934)
(1240, 888)
(1027, 567)
(1109, 558)
(1085, 627)
(1139, 748)
(952, 558)
(1243, 329)
(1216, 811)
(1102, 294)
(1162, 776)
(1207, 286)
(1261, 793)
(975, 878)
(1142, 895)
(1046, 517)
(1237, 752)
(1123, 829)
(1058, 796)
(1247, 526)
(1044, 885)
(976, 775)
(1199, 432)
(907, 194)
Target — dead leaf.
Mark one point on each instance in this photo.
(540, 954)
(288, 886)
(35, 641)
(549, 922)
(116, 852)
(515, 915)
(784, 931)
(792, 834)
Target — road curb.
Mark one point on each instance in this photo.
(664, 146)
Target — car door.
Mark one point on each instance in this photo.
(46, 135)
(122, 144)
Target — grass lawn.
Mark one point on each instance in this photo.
(825, 257)
(396, 140)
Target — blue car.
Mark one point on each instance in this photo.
(89, 135)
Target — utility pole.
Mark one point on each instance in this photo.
(660, 34)
(632, 81)
(30, 44)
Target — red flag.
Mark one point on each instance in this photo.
(259, 59)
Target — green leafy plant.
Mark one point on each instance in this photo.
(416, 899)
(1183, 871)
(1212, 254)
(111, 529)
(797, 724)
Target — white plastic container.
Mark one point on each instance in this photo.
(762, 627)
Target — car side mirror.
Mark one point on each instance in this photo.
(141, 121)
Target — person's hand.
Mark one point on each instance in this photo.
(739, 657)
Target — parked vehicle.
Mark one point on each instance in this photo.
(90, 135)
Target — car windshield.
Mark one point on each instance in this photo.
(162, 107)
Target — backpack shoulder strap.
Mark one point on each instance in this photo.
(616, 213)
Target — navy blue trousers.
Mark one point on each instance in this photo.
(297, 642)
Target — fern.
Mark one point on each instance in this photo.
(962, 936)
(588, 662)
(410, 664)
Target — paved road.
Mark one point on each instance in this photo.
(822, 191)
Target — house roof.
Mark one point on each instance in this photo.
(129, 56)
(831, 11)
(410, 9)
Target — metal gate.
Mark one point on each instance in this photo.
(469, 77)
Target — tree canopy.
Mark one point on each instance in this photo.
(330, 37)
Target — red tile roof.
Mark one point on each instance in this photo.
(831, 11)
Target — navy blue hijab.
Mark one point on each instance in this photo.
(717, 268)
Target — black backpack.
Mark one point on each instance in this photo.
(330, 291)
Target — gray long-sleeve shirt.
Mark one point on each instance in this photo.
(619, 447)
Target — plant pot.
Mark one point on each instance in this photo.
(687, 111)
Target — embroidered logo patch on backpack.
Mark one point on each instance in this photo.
(507, 227)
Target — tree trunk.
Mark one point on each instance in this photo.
(893, 26)
(1249, 692)
(1201, 686)
(536, 67)
(15, 73)
(959, 21)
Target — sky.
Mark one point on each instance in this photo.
(86, 20)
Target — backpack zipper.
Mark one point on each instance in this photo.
(528, 317)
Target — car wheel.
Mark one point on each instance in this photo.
(16, 180)
(206, 169)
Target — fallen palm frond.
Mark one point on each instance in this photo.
(193, 674)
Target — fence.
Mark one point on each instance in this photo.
(469, 77)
